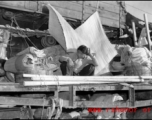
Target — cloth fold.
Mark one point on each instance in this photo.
(90, 33)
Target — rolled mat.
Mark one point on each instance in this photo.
(20, 64)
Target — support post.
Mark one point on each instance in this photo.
(134, 33)
(147, 30)
(72, 95)
(131, 97)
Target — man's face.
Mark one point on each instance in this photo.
(80, 54)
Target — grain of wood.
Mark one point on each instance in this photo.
(30, 5)
(17, 4)
(66, 5)
(103, 13)
(103, 6)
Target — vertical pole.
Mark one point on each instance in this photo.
(119, 20)
(131, 97)
(134, 33)
(83, 5)
(147, 30)
(72, 94)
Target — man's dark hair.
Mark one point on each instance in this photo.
(83, 49)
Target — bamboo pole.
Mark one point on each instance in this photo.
(87, 79)
(60, 83)
(90, 77)
(147, 30)
(134, 34)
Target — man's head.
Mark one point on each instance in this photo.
(82, 51)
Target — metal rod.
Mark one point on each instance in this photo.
(134, 33)
(147, 30)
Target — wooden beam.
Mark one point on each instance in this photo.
(99, 104)
(104, 87)
(132, 96)
(72, 94)
(134, 34)
(147, 30)
(23, 101)
(10, 114)
(27, 31)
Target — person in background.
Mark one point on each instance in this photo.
(127, 36)
(143, 39)
(82, 63)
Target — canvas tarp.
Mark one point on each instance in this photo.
(90, 33)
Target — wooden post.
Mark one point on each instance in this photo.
(134, 33)
(72, 94)
(131, 97)
(147, 30)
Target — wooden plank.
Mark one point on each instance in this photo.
(111, 2)
(106, 21)
(69, 13)
(12, 114)
(20, 88)
(23, 101)
(31, 5)
(111, 87)
(131, 96)
(118, 104)
(17, 4)
(102, 13)
(65, 4)
(79, 2)
(103, 6)
(65, 12)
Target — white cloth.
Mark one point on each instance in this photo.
(90, 33)
(142, 39)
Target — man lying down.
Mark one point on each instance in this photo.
(81, 63)
(134, 61)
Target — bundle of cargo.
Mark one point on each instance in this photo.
(31, 61)
(136, 61)
(5, 76)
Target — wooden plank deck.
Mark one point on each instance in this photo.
(15, 87)
(77, 104)
(108, 10)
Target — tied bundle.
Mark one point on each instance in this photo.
(4, 39)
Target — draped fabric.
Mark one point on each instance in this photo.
(90, 33)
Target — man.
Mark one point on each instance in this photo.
(82, 64)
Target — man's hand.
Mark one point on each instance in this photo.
(70, 62)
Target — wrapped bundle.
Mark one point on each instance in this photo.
(136, 60)
(4, 38)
